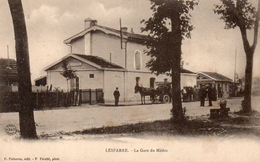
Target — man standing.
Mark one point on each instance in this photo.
(184, 94)
(202, 95)
(116, 95)
(210, 94)
(196, 93)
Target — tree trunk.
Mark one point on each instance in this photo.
(249, 50)
(246, 105)
(175, 52)
(176, 95)
(26, 117)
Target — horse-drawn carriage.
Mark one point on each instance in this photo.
(160, 94)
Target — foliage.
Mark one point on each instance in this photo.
(168, 26)
(242, 14)
(166, 15)
(67, 73)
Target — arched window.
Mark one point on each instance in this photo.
(137, 60)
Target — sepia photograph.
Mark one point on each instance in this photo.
(130, 80)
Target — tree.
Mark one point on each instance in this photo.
(67, 73)
(243, 15)
(26, 117)
(167, 28)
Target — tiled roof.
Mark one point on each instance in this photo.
(130, 36)
(99, 61)
(186, 71)
(41, 77)
(217, 76)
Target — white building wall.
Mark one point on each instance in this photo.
(126, 82)
(85, 82)
(160, 78)
(82, 70)
(55, 79)
(113, 79)
(78, 45)
(132, 47)
(103, 45)
(87, 44)
(188, 80)
(109, 80)
(131, 83)
(144, 81)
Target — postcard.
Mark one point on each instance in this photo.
(129, 80)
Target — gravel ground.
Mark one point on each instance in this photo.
(94, 147)
(93, 116)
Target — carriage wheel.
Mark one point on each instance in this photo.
(166, 99)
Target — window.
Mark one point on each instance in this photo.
(137, 60)
(152, 80)
(91, 75)
(137, 80)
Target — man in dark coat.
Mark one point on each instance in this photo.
(210, 94)
(202, 95)
(116, 95)
(184, 94)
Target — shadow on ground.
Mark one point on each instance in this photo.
(234, 125)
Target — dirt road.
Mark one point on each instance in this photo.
(84, 117)
(93, 147)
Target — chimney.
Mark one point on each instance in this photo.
(124, 29)
(89, 23)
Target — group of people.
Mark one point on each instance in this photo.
(189, 94)
(207, 91)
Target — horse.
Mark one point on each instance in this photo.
(145, 92)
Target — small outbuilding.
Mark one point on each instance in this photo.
(41, 81)
(219, 81)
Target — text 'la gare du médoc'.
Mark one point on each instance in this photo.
(135, 150)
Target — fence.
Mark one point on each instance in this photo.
(92, 96)
(9, 101)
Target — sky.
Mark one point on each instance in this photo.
(49, 22)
